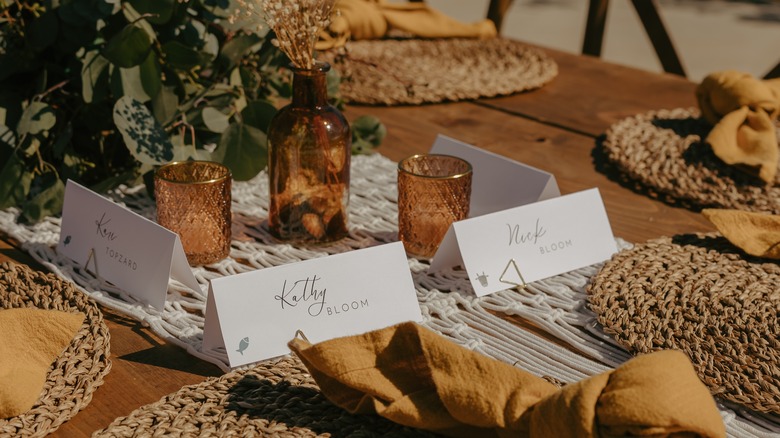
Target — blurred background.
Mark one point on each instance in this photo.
(709, 35)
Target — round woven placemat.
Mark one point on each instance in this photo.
(415, 71)
(701, 295)
(275, 398)
(77, 372)
(665, 152)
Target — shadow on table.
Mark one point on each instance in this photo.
(305, 407)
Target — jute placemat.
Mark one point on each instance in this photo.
(77, 372)
(664, 151)
(701, 295)
(274, 398)
(415, 71)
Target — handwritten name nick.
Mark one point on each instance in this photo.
(303, 291)
(103, 230)
(518, 237)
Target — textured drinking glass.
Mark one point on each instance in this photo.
(193, 201)
(433, 192)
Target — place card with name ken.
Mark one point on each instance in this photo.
(255, 314)
(498, 183)
(121, 247)
(536, 241)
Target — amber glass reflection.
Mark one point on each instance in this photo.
(193, 201)
(309, 145)
(433, 192)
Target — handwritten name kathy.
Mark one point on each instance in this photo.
(303, 291)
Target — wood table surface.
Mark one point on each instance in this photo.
(555, 128)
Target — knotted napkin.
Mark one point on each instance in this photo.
(414, 377)
(30, 340)
(370, 19)
(757, 234)
(743, 111)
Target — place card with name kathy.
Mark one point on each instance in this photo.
(121, 247)
(254, 315)
(528, 243)
(498, 183)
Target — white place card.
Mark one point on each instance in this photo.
(528, 243)
(122, 247)
(498, 183)
(253, 315)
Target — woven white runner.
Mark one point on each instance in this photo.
(557, 305)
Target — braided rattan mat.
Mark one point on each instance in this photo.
(699, 294)
(77, 372)
(415, 71)
(665, 152)
(274, 398)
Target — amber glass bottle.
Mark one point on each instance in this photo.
(309, 146)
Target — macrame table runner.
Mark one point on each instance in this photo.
(416, 71)
(78, 371)
(449, 307)
(664, 151)
(699, 294)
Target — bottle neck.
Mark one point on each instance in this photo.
(310, 87)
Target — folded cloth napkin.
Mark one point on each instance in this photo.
(370, 19)
(412, 376)
(757, 234)
(743, 111)
(30, 340)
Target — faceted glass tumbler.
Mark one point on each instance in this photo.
(433, 192)
(193, 200)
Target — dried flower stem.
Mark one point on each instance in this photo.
(296, 23)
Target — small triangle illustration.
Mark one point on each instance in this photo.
(512, 276)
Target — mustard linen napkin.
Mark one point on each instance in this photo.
(370, 19)
(414, 377)
(757, 234)
(743, 111)
(30, 340)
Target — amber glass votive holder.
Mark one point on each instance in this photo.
(193, 200)
(434, 191)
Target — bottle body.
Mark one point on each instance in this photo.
(309, 146)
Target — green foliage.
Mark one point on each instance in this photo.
(102, 91)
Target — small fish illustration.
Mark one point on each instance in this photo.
(67, 240)
(483, 279)
(243, 345)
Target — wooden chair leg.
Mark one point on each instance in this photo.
(594, 27)
(656, 30)
(774, 73)
(496, 11)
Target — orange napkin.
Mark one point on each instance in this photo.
(743, 110)
(30, 340)
(757, 234)
(414, 377)
(370, 19)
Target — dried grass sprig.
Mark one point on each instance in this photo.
(296, 23)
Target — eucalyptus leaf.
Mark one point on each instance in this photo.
(235, 49)
(15, 181)
(129, 47)
(132, 85)
(94, 64)
(242, 148)
(143, 136)
(160, 10)
(258, 113)
(368, 132)
(7, 137)
(165, 105)
(150, 73)
(182, 57)
(47, 202)
(215, 120)
(36, 118)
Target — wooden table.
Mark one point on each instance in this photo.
(555, 128)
